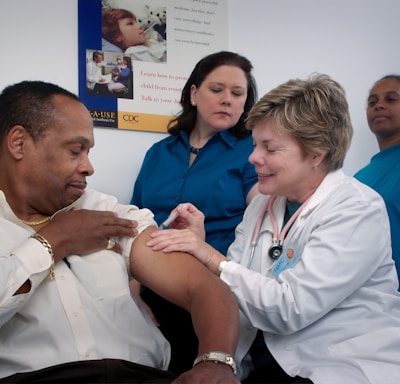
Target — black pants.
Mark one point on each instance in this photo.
(93, 371)
(100, 89)
(274, 374)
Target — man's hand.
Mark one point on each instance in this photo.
(83, 231)
(208, 373)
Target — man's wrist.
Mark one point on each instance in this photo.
(49, 249)
(218, 358)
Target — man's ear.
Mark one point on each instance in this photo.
(16, 140)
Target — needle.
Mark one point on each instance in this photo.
(170, 219)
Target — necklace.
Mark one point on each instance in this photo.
(33, 223)
(195, 150)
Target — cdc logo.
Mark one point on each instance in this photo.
(131, 118)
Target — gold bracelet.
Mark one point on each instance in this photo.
(47, 245)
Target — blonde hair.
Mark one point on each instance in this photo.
(313, 111)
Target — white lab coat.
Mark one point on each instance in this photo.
(93, 74)
(335, 316)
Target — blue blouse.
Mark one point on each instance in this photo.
(124, 76)
(217, 182)
(383, 175)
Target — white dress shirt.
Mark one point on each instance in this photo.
(85, 313)
(93, 74)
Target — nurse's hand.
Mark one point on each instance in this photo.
(185, 240)
(176, 240)
(187, 235)
(189, 217)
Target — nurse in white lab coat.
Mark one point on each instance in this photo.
(326, 307)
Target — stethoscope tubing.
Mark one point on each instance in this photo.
(254, 244)
(275, 249)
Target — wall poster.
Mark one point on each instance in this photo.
(131, 72)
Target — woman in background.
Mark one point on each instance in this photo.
(383, 172)
(204, 161)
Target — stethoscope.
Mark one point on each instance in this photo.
(275, 250)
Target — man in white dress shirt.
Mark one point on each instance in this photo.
(67, 253)
(93, 74)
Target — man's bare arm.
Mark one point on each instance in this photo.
(183, 280)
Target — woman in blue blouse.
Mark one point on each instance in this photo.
(204, 161)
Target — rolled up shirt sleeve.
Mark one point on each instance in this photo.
(28, 261)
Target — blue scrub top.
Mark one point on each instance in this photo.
(217, 182)
(383, 175)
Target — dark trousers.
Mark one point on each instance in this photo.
(99, 89)
(93, 371)
(274, 374)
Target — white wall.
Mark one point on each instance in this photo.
(354, 41)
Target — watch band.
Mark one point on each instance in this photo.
(217, 357)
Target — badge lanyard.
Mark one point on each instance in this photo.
(275, 249)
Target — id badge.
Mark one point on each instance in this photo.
(288, 259)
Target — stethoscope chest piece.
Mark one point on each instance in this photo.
(275, 250)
